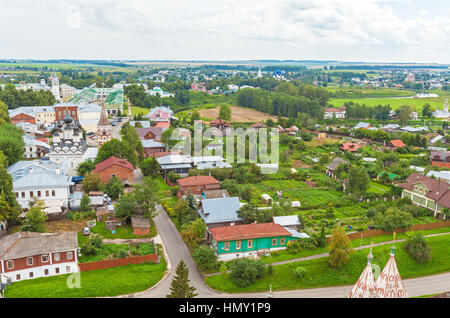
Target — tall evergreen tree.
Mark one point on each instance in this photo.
(179, 288)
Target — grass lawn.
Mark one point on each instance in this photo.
(122, 232)
(99, 283)
(135, 110)
(319, 274)
(108, 250)
(375, 187)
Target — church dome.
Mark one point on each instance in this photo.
(67, 119)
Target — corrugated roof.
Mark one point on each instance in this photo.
(112, 161)
(248, 231)
(197, 180)
(220, 210)
(23, 244)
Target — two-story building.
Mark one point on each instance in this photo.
(427, 192)
(40, 179)
(28, 255)
(115, 167)
(248, 240)
(332, 112)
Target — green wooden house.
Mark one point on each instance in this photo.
(249, 240)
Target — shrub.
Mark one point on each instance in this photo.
(270, 269)
(393, 219)
(97, 242)
(299, 272)
(418, 248)
(340, 248)
(223, 268)
(205, 257)
(122, 253)
(245, 271)
(88, 249)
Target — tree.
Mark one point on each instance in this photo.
(130, 137)
(92, 182)
(248, 213)
(205, 257)
(114, 188)
(426, 110)
(85, 167)
(193, 233)
(126, 207)
(340, 248)
(11, 143)
(404, 113)
(9, 208)
(392, 219)
(195, 116)
(358, 181)
(119, 149)
(225, 113)
(231, 186)
(150, 167)
(35, 218)
(180, 288)
(246, 271)
(418, 248)
(182, 97)
(4, 115)
(84, 205)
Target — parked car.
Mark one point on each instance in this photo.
(86, 231)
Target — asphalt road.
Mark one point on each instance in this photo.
(176, 251)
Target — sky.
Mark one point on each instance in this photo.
(346, 30)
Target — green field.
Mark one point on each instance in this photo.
(319, 274)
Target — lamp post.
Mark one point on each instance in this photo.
(3, 283)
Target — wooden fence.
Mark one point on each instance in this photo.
(415, 227)
(118, 262)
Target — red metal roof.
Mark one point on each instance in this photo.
(248, 231)
(197, 180)
(110, 162)
(162, 124)
(349, 146)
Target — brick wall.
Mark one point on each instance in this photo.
(118, 262)
(415, 227)
(141, 231)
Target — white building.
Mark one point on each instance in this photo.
(158, 91)
(41, 179)
(68, 146)
(331, 112)
(442, 113)
(55, 87)
(34, 148)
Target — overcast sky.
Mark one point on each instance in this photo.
(345, 30)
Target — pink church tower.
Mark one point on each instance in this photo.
(389, 284)
(365, 286)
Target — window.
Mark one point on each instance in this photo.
(39, 193)
(57, 270)
(18, 277)
(47, 193)
(31, 275)
(9, 264)
(227, 246)
(68, 269)
(56, 257)
(69, 255)
(46, 271)
(238, 245)
(23, 194)
(44, 258)
(17, 194)
(249, 244)
(29, 261)
(53, 193)
(31, 193)
(282, 241)
(274, 242)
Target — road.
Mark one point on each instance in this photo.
(177, 250)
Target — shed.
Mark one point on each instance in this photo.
(267, 198)
(141, 226)
(290, 221)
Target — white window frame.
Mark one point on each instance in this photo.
(69, 255)
(32, 261)
(8, 264)
(57, 257)
(42, 258)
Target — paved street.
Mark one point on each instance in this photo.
(176, 250)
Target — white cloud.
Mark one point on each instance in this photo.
(213, 29)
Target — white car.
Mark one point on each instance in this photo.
(86, 231)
